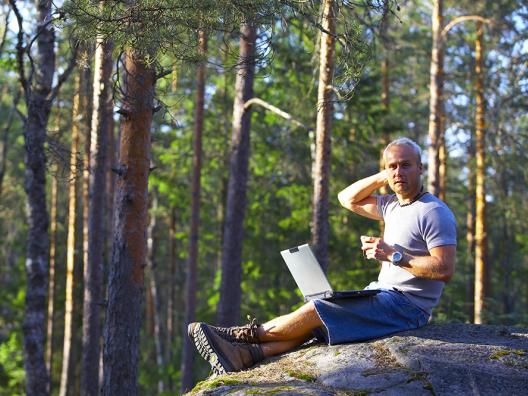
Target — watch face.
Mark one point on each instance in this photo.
(396, 257)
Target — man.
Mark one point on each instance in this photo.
(417, 252)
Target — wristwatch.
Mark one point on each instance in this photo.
(396, 258)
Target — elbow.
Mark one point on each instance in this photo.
(448, 273)
(345, 203)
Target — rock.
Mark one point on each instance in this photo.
(438, 359)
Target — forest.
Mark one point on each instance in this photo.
(156, 157)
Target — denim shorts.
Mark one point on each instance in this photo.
(365, 318)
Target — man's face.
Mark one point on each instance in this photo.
(404, 170)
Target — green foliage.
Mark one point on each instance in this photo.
(167, 26)
(279, 196)
(12, 375)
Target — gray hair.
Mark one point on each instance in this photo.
(404, 141)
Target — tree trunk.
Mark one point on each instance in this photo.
(480, 200)
(436, 104)
(51, 284)
(192, 267)
(70, 252)
(228, 311)
(470, 230)
(320, 226)
(385, 97)
(442, 162)
(52, 258)
(126, 276)
(153, 285)
(171, 287)
(38, 109)
(93, 280)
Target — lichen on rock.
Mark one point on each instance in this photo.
(438, 359)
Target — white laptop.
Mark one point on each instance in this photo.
(311, 279)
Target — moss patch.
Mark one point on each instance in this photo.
(270, 391)
(505, 352)
(216, 382)
(516, 358)
(303, 376)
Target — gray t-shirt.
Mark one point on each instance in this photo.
(415, 229)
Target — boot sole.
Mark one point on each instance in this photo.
(204, 341)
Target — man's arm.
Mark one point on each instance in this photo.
(440, 265)
(358, 196)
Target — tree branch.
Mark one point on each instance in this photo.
(20, 48)
(461, 19)
(276, 110)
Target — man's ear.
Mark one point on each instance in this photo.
(421, 167)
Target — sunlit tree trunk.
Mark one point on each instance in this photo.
(126, 275)
(442, 163)
(470, 230)
(325, 112)
(480, 191)
(228, 311)
(93, 269)
(52, 261)
(70, 246)
(436, 105)
(192, 266)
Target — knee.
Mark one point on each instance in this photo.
(309, 309)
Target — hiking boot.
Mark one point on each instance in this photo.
(246, 334)
(223, 356)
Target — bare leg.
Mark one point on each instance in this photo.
(276, 347)
(286, 332)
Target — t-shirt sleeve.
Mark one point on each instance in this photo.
(382, 201)
(439, 228)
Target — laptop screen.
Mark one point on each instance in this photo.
(306, 270)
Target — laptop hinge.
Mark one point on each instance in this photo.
(323, 295)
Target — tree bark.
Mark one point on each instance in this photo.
(320, 226)
(470, 230)
(70, 252)
(38, 94)
(480, 200)
(442, 163)
(385, 97)
(228, 311)
(52, 259)
(152, 244)
(436, 103)
(51, 284)
(192, 267)
(93, 280)
(171, 294)
(126, 276)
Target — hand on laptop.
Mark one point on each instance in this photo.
(375, 248)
